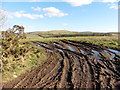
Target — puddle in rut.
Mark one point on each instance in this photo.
(111, 54)
(45, 44)
(38, 45)
(60, 50)
(95, 52)
(118, 52)
(96, 55)
(85, 52)
(50, 50)
(82, 51)
(57, 44)
(71, 48)
(107, 52)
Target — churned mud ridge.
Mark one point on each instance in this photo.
(80, 65)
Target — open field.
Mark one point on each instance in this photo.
(112, 41)
(80, 65)
(65, 33)
(65, 62)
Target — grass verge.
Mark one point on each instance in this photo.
(35, 57)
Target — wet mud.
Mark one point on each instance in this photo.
(80, 65)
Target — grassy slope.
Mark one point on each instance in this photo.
(61, 33)
(49, 33)
(100, 40)
(53, 32)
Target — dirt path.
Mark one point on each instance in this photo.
(81, 65)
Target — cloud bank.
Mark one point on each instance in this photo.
(79, 2)
(50, 11)
(47, 12)
(22, 13)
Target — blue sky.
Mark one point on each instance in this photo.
(83, 16)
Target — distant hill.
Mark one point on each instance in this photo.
(115, 32)
(64, 33)
(53, 32)
(87, 32)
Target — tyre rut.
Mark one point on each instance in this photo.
(81, 65)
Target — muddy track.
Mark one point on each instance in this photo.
(81, 65)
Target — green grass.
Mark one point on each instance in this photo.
(111, 41)
(30, 36)
(64, 33)
(54, 39)
(54, 32)
(36, 57)
(107, 43)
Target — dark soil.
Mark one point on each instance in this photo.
(81, 65)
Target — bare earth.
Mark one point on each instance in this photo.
(80, 65)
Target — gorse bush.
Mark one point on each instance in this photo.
(12, 49)
(19, 57)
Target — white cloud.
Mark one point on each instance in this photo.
(85, 2)
(79, 2)
(20, 14)
(50, 11)
(113, 6)
(112, 1)
(36, 8)
(53, 12)
(32, 16)
(2, 13)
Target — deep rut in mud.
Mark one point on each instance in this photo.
(81, 65)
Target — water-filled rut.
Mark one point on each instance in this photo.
(80, 65)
